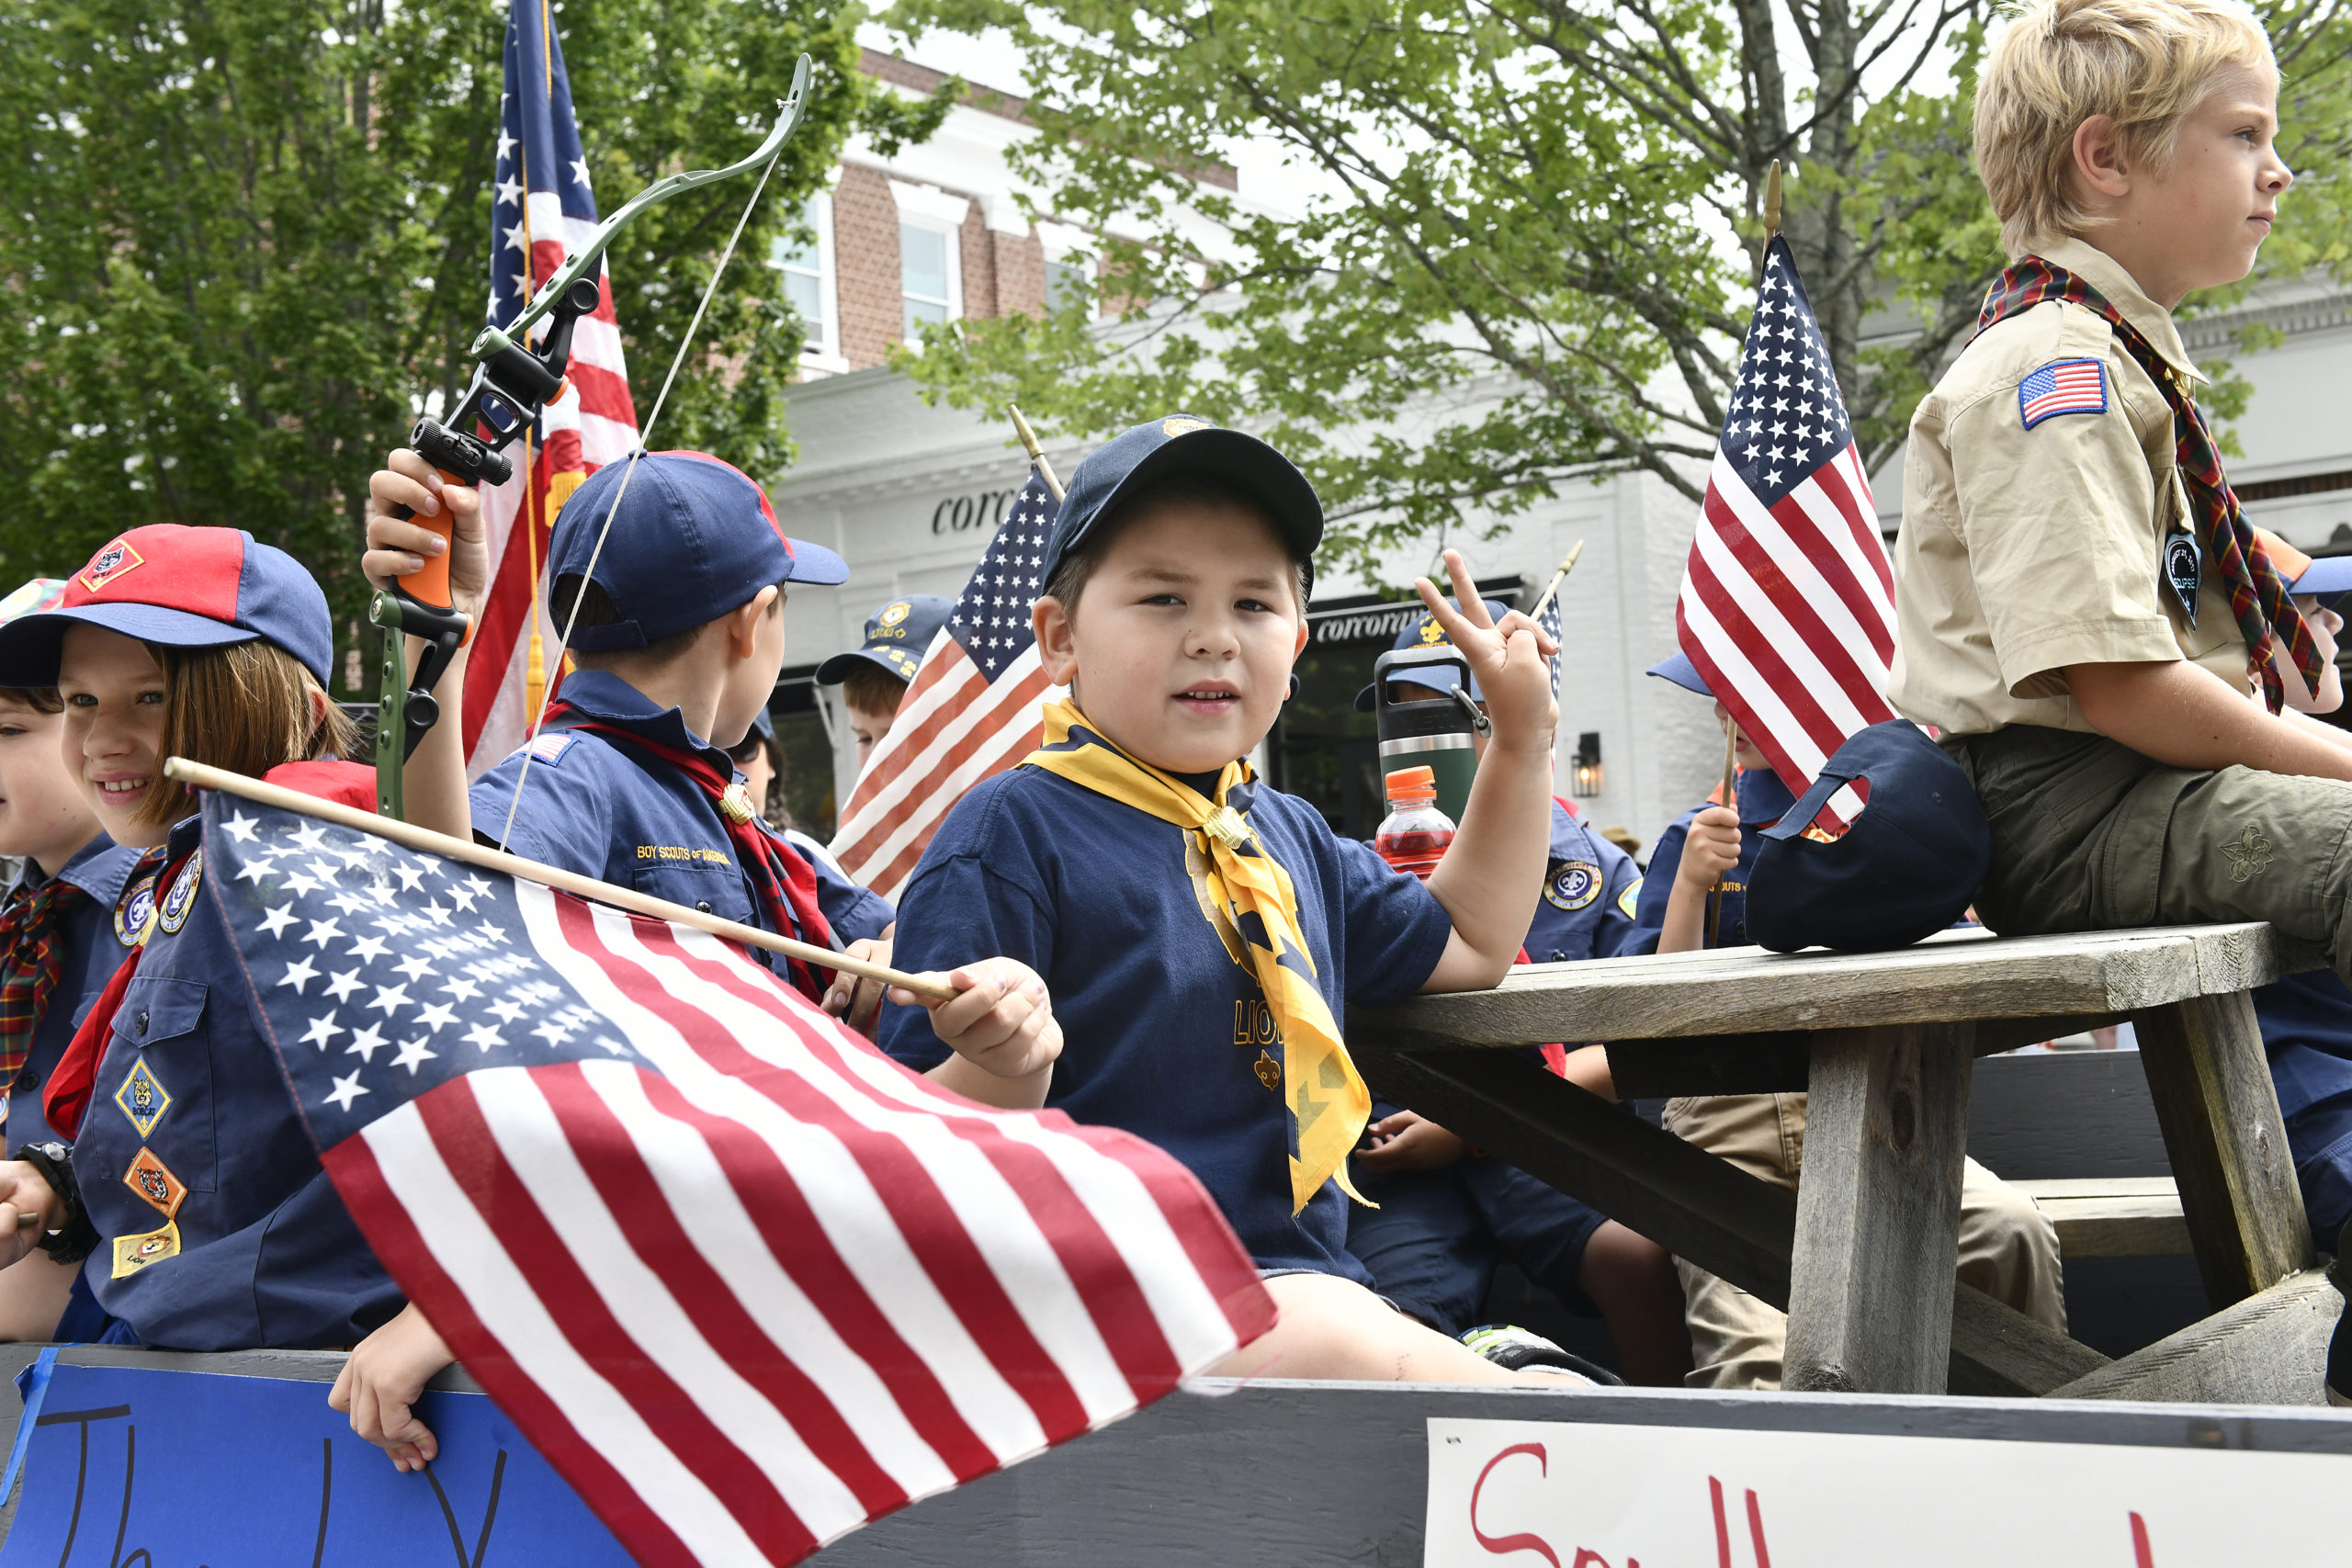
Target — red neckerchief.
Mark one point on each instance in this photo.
(786, 883)
(67, 1098)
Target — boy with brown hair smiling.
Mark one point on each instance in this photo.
(1201, 935)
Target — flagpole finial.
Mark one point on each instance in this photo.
(1772, 202)
(1036, 453)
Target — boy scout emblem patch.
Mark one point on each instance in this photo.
(148, 1177)
(142, 1098)
(111, 563)
(1173, 427)
(2184, 568)
(1574, 885)
(1432, 634)
(136, 907)
(180, 897)
(893, 614)
(133, 1253)
(2249, 857)
(2064, 386)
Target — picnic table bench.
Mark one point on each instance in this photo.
(1862, 1254)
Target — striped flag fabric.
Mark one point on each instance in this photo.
(1549, 623)
(975, 708)
(745, 1281)
(543, 206)
(1787, 604)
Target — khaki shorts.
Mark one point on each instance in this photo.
(2090, 835)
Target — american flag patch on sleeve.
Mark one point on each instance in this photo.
(2064, 386)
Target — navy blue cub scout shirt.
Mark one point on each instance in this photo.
(189, 1092)
(1763, 800)
(1591, 889)
(93, 942)
(596, 807)
(1163, 1024)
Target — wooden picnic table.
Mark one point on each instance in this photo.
(1862, 1254)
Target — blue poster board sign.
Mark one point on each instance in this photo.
(134, 1468)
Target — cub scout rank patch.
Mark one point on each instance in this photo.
(133, 1253)
(149, 1178)
(142, 1098)
(2064, 386)
(893, 614)
(136, 907)
(179, 898)
(550, 749)
(109, 563)
(1575, 884)
(1628, 900)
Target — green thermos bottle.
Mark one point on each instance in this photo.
(1420, 729)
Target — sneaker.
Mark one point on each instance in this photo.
(2339, 1348)
(1519, 1351)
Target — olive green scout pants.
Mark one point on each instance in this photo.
(2088, 835)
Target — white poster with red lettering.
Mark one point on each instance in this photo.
(1528, 1494)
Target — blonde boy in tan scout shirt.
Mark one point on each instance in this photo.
(2080, 604)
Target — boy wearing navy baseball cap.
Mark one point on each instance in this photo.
(874, 677)
(676, 612)
(2007, 1249)
(1201, 935)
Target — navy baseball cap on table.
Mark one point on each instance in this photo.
(1424, 631)
(179, 587)
(1679, 668)
(1906, 868)
(895, 637)
(1181, 444)
(694, 538)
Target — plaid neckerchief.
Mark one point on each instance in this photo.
(31, 962)
(2258, 597)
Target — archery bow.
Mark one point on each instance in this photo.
(512, 383)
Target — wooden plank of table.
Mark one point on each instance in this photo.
(2270, 1348)
(1878, 1210)
(1749, 991)
(1691, 1203)
(2227, 1142)
(2112, 1216)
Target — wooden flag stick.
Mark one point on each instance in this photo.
(1772, 200)
(427, 842)
(1036, 453)
(1731, 798)
(1566, 566)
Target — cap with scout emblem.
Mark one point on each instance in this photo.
(2324, 576)
(1425, 630)
(1677, 668)
(1904, 868)
(1123, 466)
(179, 587)
(694, 538)
(897, 636)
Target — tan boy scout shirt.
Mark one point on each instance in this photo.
(2025, 550)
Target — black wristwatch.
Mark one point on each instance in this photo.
(77, 1238)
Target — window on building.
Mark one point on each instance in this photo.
(924, 277)
(1065, 283)
(805, 260)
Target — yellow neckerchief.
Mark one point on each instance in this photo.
(1328, 1103)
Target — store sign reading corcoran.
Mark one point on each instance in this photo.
(963, 513)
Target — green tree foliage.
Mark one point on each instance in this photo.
(1539, 263)
(242, 242)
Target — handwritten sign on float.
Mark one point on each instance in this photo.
(1528, 1494)
(127, 1466)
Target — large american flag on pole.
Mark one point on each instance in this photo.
(745, 1281)
(1788, 602)
(975, 708)
(541, 209)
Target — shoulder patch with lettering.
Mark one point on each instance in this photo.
(2063, 386)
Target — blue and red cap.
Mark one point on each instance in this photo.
(897, 637)
(179, 587)
(693, 539)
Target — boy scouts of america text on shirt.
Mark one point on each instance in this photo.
(1166, 1033)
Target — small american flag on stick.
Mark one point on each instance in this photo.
(1788, 602)
(745, 1281)
(974, 709)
